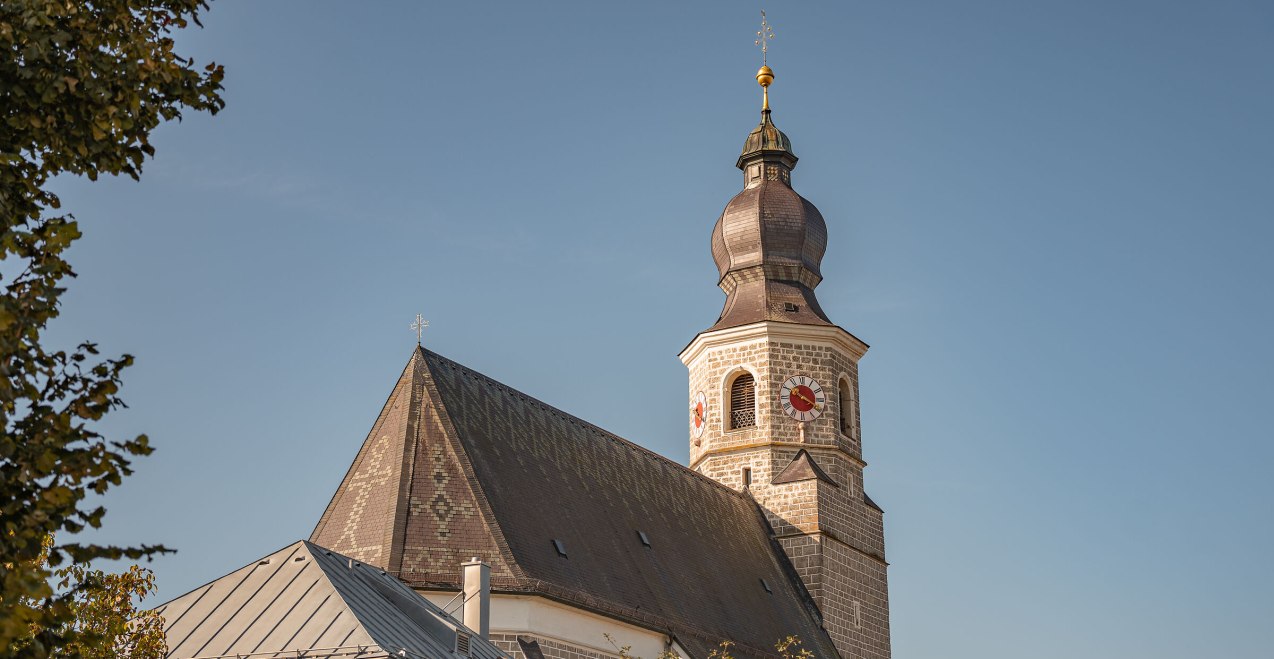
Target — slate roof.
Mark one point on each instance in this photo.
(458, 464)
(306, 599)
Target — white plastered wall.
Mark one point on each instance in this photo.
(528, 614)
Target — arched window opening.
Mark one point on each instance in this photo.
(743, 401)
(848, 411)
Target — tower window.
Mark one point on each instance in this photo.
(848, 411)
(743, 402)
(747, 477)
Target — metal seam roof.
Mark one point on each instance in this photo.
(304, 598)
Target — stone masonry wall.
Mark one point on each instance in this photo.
(834, 540)
(551, 647)
(772, 362)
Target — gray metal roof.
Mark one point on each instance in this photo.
(304, 598)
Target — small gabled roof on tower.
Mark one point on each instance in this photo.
(802, 468)
(459, 465)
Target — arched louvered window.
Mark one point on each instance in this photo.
(848, 411)
(743, 401)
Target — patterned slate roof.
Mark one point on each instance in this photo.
(487, 470)
(304, 600)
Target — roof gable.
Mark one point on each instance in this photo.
(559, 508)
(549, 476)
(364, 518)
(408, 503)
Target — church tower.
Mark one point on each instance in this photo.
(774, 396)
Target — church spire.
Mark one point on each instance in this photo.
(768, 244)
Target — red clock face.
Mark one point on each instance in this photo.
(802, 398)
(699, 414)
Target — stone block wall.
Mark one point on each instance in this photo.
(833, 538)
(771, 362)
(551, 647)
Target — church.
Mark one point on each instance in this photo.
(594, 543)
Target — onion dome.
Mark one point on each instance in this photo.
(769, 241)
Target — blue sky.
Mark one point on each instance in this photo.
(1050, 220)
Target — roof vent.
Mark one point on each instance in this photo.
(766, 585)
(561, 548)
(264, 562)
(788, 306)
(462, 643)
(644, 539)
(298, 559)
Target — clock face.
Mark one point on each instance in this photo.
(802, 398)
(699, 414)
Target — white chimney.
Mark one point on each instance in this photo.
(477, 597)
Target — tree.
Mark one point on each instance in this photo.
(106, 616)
(82, 85)
(105, 622)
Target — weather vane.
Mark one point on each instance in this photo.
(419, 326)
(763, 36)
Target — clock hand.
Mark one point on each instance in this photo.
(802, 396)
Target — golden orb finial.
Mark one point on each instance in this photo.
(765, 77)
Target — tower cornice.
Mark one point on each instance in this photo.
(829, 335)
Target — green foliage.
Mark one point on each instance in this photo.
(788, 648)
(82, 84)
(107, 617)
(104, 622)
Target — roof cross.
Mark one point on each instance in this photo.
(419, 326)
(763, 36)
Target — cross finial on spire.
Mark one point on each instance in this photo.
(765, 76)
(419, 326)
(763, 36)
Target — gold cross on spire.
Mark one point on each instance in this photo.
(763, 36)
(419, 326)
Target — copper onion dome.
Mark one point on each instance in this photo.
(769, 241)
